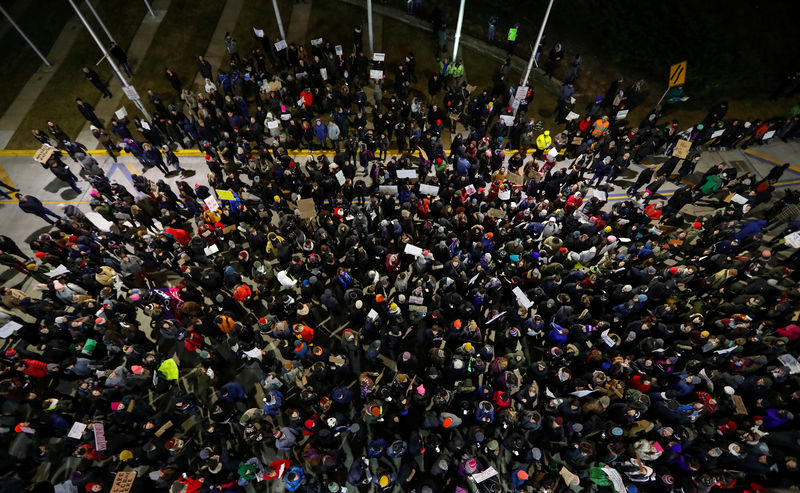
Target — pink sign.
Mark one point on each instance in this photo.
(99, 437)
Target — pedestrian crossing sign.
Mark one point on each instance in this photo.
(677, 74)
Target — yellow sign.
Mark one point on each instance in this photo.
(677, 74)
(225, 194)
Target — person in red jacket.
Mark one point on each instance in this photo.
(393, 264)
(181, 236)
(303, 332)
(653, 211)
(88, 452)
(642, 384)
(33, 368)
(277, 469)
(573, 203)
(187, 485)
(307, 96)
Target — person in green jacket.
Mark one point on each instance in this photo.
(712, 185)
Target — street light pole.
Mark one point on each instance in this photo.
(125, 86)
(369, 23)
(26, 38)
(149, 8)
(536, 46)
(278, 18)
(458, 30)
(96, 16)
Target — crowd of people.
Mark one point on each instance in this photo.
(466, 317)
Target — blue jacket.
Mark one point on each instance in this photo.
(682, 387)
(750, 228)
(235, 392)
(462, 166)
(320, 131)
(275, 408)
(556, 336)
(480, 414)
(293, 485)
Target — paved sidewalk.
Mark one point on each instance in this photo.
(15, 113)
(216, 51)
(298, 23)
(106, 107)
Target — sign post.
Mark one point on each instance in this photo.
(677, 77)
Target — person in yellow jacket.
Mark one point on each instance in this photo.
(543, 142)
(211, 217)
(455, 72)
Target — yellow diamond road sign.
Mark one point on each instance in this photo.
(677, 74)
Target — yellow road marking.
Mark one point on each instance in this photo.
(770, 159)
(49, 202)
(5, 179)
(132, 169)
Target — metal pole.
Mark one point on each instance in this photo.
(149, 8)
(108, 57)
(369, 23)
(91, 7)
(278, 18)
(44, 60)
(458, 29)
(658, 105)
(536, 46)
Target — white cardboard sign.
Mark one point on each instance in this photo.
(406, 173)
(212, 203)
(413, 250)
(428, 189)
(77, 430)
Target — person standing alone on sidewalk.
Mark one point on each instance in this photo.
(32, 205)
(492, 27)
(122, 58)
(204, 67)
(87, 110)
(94, 78)
(232, 47)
